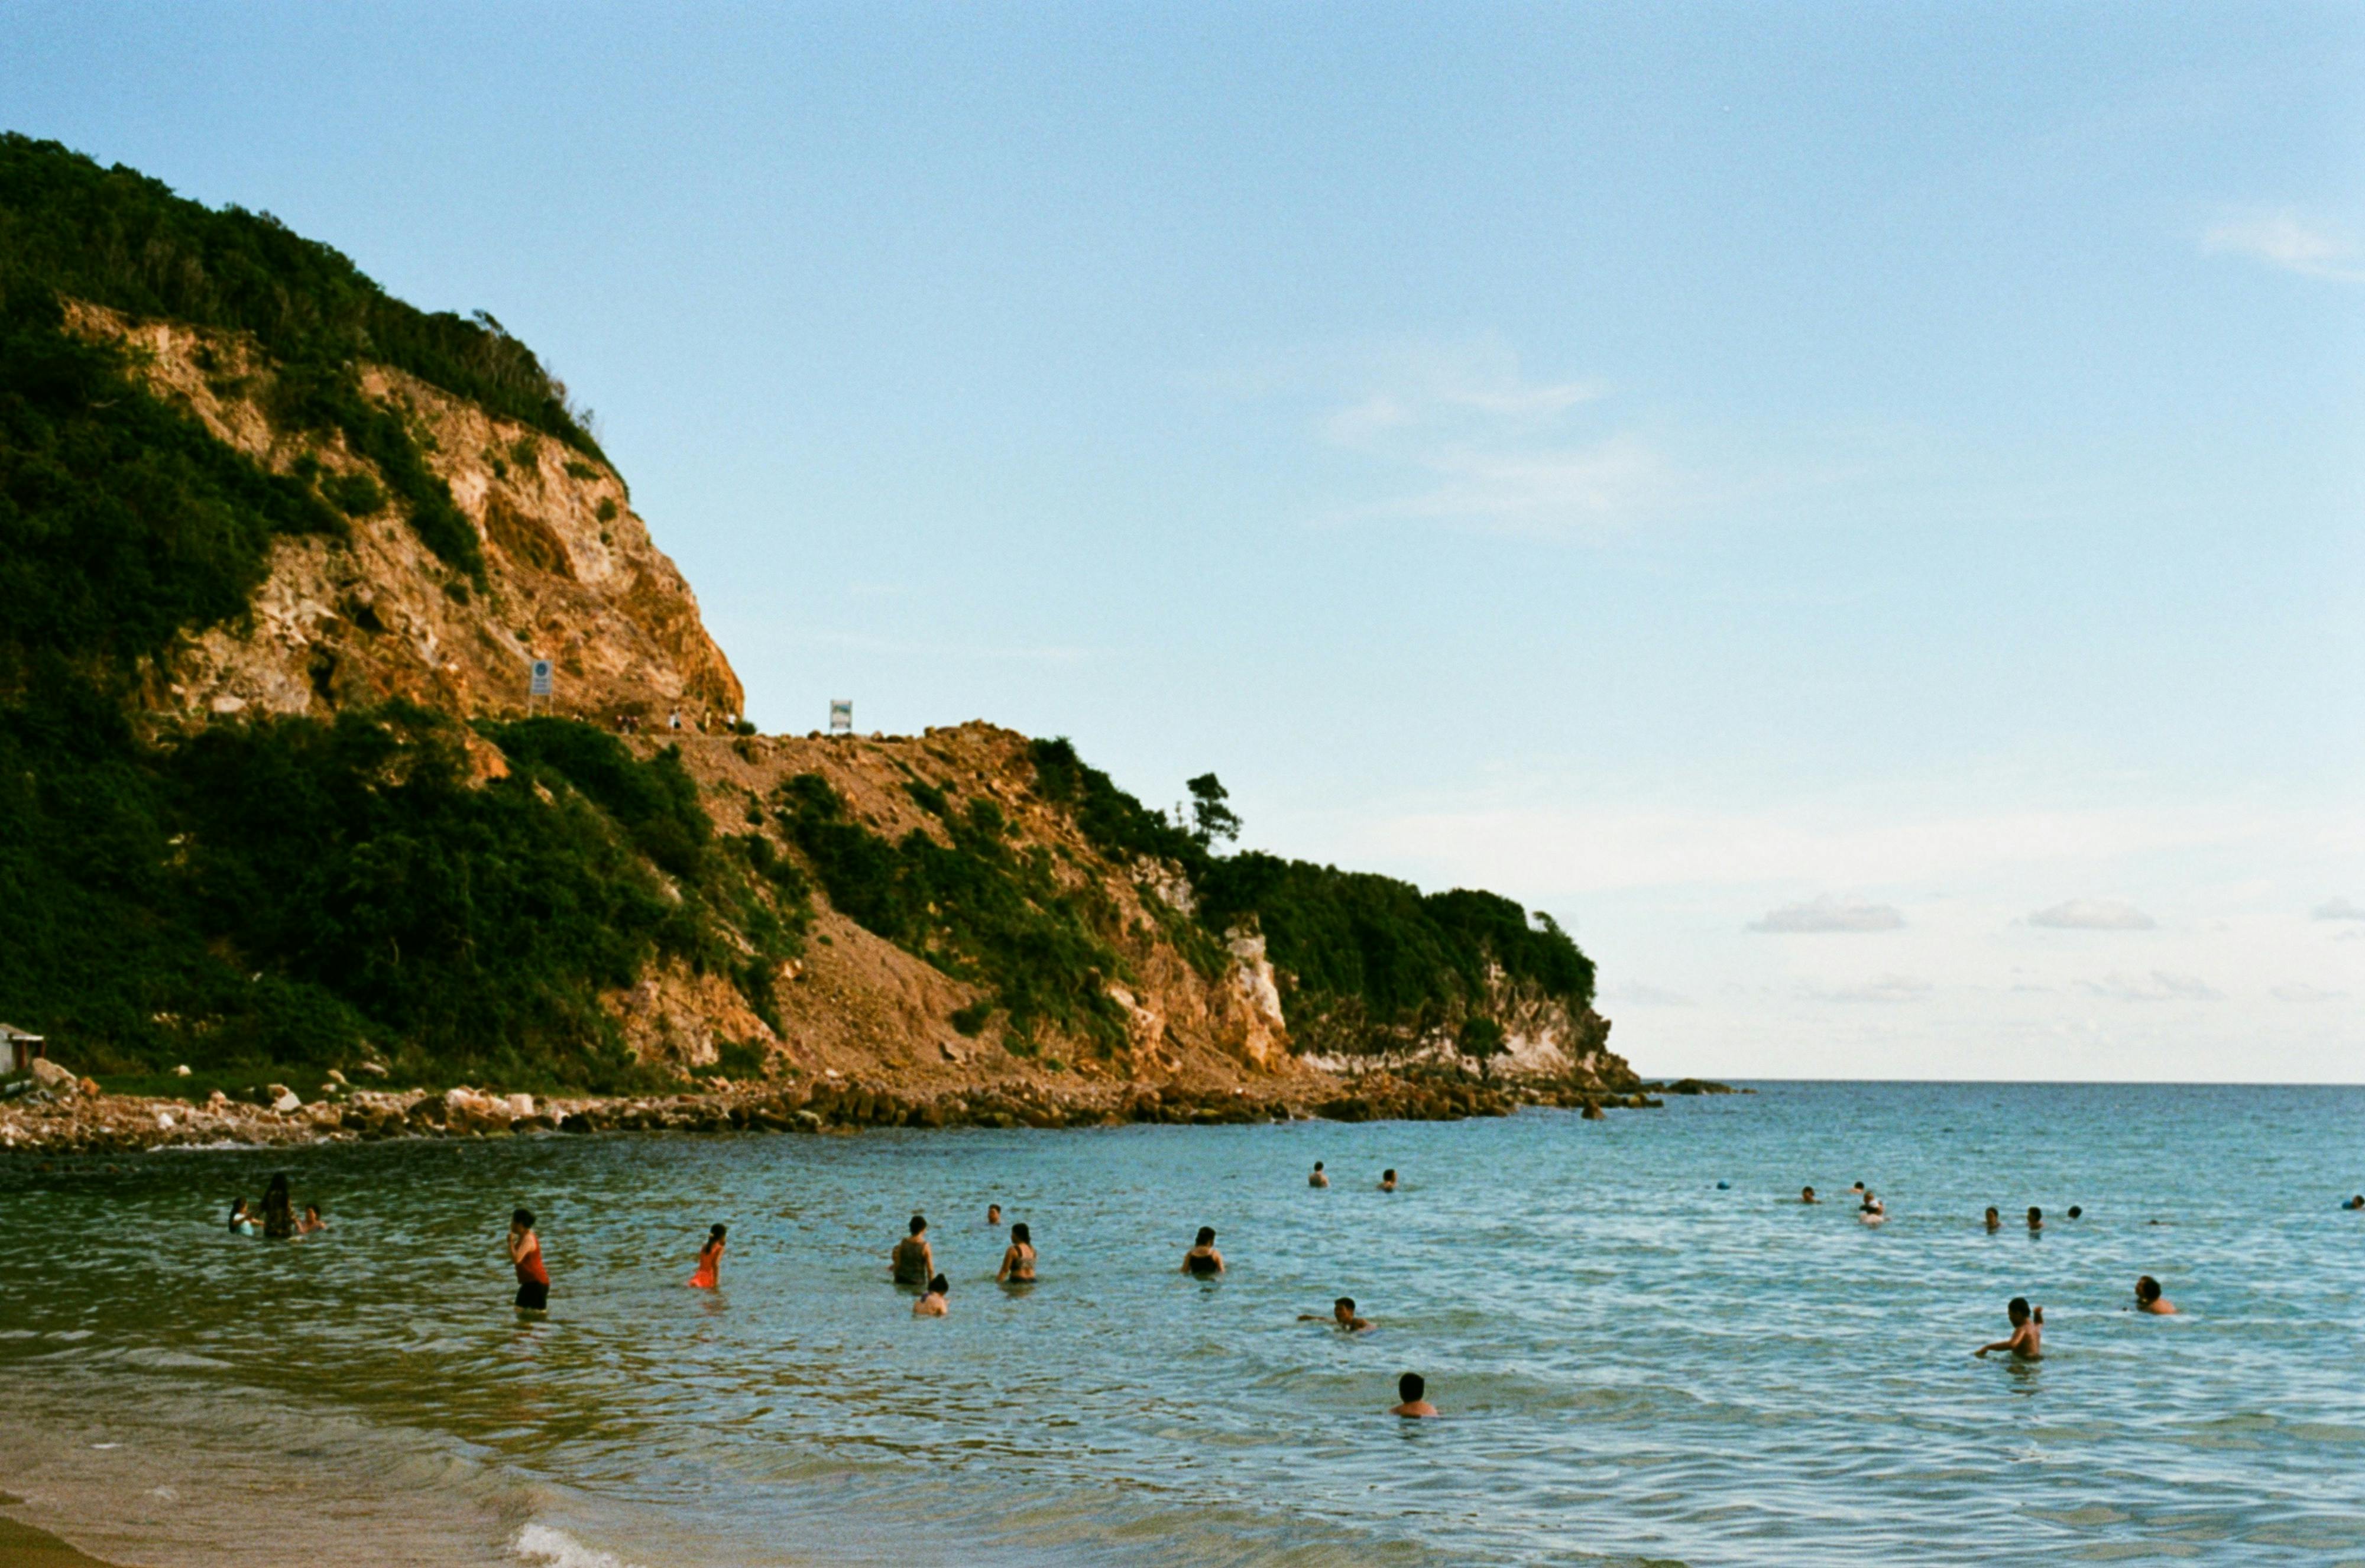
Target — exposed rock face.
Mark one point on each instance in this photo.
(571, 573)
(572, 576)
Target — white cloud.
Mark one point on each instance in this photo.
(2283, 239)
(2300, 990)
(2339, 909)
(2093, 915)
(1830, 914)
(1636, 995)
(1478, 443)
(1577, 848)
(1880, 988)
(2158, 986)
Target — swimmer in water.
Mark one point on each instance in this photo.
(2074, 1211)
(1412, 1393)
(312, 1220)
(1874, 1211)
(709, 1261)
(1856, 1191)
(1018, 1260)
(1388, 1180)
(2035, 1220)
(1995, 1220)
(1807, 1196)
(912, 1261)
(933, 1304)
(242, 1222)
(994, 1216)
(1342, 1312)
(2148, 1299)
(1317, 1178)
(1202, 1262)
(2027, 1341)
(2356, 1202)
(525, 1255)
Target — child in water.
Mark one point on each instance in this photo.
(1388, 1179)
(525, 1255)
(2027, 1341)
(312, 1220)
(1412, 1392)
(242, 1222)
(2148, 1299)
(1342, 1312)
(709, 1261)
(933, 1304)
(1995, 1220)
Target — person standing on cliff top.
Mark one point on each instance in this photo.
(912, 1260)
(1317, 1178)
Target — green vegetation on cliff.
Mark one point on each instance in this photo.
(285, 891)
(289, 890)
(71, 229)
(1369, 964)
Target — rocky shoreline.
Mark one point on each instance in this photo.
(74, 1117)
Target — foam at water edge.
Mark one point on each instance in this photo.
(542, 1543)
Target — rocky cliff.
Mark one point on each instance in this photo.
(307, 542)
(571, 575)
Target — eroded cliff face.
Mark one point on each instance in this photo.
(571, 575)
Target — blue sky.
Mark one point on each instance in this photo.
(1798, 492)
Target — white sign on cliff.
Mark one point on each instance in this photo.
(538, 684)
(841, 717)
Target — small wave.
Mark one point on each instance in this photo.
(543, 1543)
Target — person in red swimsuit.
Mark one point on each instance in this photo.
(525, 1253)
(709, 1261)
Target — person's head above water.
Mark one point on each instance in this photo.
(994, 1213)
(522, 1219)
(1993, 1214)
(1019, 1233)
(2074, 1211)
(1806, 1194)
(940, 1286)
(2035, 1217)
(1343, 1308)
(2017, 1310)
(919, 1224)
(1318, 1165)
(311, 1211)
(2146, 1290)
(1207, 1236)
(1412, 1388)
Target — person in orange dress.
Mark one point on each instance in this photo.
(709, 1261)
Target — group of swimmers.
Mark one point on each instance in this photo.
(911, 1264)
(2027, 1339)
(277, 1217)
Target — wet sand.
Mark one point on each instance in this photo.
(22, 1546)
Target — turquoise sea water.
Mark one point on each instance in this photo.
(1635, 1364)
